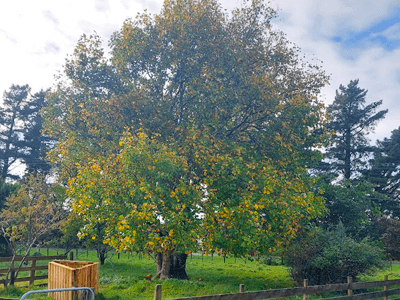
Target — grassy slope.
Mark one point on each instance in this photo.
(123, 279)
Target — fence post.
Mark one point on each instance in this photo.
(157, 292)
(32, 273)
(71, 255)
(305, 285)
(349, 290)
(241, 288)
(385, 288)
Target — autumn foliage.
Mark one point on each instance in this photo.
(195, 135)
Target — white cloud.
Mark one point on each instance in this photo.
(102, 5)
(36, 37)
(48, 15)
(329, 18)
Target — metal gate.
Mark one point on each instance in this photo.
(79, 293)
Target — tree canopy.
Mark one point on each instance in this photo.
(195, 135)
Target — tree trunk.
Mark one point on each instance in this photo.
(347, 158)
(166, 265)
(171, 265)
(101, 253)
(159, 260)
(178, 266)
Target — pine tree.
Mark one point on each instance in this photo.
(351, 121)
(37, 143)
(12, 120)
(21, 140)
(385, 171)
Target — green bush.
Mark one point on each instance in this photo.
(330, 256)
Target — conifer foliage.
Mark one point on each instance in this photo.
(385, 172)
(21, 139)
(351, 121)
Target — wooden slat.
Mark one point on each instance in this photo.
(30, 258)
(367, 296)
(62, 266)
(32, 269)
(22, 279)
(36, 268)
(66, 274)
(283, 293)
(371, 284)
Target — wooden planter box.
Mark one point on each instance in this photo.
(68, 274)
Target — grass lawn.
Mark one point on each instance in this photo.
(124, 278)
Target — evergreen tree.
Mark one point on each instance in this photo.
(353, 203)
(20, 131)
(12, 118)
(37, 143)
(6, 189)
(351, 121)
(385, 173)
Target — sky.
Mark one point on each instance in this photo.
(355, 39)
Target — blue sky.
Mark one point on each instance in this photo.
(354, 39)
(383, 33)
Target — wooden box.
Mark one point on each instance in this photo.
(68, 274)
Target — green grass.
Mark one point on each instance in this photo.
(393, 272)
(124, 278)
(208, 275)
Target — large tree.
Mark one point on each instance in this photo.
(351, 121)
(36, 142)
(21, 140)
(195, 135)
(12, 119)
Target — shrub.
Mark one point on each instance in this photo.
(389, 231)
(329, 256)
